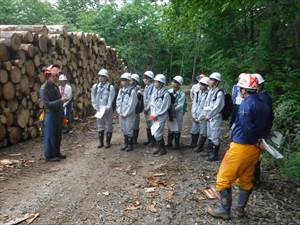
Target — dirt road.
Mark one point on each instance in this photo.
(107, 186)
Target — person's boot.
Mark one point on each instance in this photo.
(53, 159)
(257, 173)
(194, 140)
(130, 144)
(152, 141)
(200, 144)
(214, 152)
(157, 148)
(135, 136)
(209, 146)
(177, 141)
(125, 146)
(170, 140)
(222, 210)
(108, 139)
(242, 200)
(61, 156)
(162, 147)
(101, 139)
(149, 137)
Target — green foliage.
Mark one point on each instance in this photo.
(29, 12)
(291, 167)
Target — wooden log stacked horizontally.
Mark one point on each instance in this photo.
(24, 51)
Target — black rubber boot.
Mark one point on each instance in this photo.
(200, 144)
(170, 140)
(194, 140)
(242, 200)
(257, 173)
(214, 152)
(209, 146)
(157, 149)
(130, 144)
(222, 210)
(177, 141)
(162, 147)
(108, 139)
(149, 137)
(135, 136)
(125, 146)
(152, 141)
(101, 139)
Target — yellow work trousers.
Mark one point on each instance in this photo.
(238, 166)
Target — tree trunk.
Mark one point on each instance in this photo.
(40, 29)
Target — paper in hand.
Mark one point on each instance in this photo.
(100, 113)
(272, 150)
(154, 127)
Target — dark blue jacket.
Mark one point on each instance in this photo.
(253, 121)
(266, 98)
(51, 97)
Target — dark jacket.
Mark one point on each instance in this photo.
(51, 98)
(253, 121)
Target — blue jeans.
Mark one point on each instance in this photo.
(52, 128)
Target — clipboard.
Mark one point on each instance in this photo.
(100, 113)
(155, 126)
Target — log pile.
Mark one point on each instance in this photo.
(24, 51)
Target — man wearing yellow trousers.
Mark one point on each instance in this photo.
(251, 124)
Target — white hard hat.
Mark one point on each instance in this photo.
(103, 72)
(161, 78)
(149, 74)
(179, 79)
(241, 75)
(135, 77)
(248, 81)
(259, 78)
(204, 80)
(216, 76)
(126, 76)
(62, 77)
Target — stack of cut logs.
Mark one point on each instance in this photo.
(24, 52)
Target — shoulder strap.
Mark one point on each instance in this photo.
(197, 98)
(152, 87)
(215, 97)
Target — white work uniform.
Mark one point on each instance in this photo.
(103, 96)
(213, 106)
(159, 105)
(179, 107)
(126, 103)
(199, 127)
(195, 88)
(149, 89)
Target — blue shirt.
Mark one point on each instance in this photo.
(253, 121)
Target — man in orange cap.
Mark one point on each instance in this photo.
(54, 114)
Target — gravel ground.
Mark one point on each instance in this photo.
(107, 186)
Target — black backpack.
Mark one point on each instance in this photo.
(171, 110)
(140, 104)
(228, 105)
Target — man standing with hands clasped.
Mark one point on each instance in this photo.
(54, 114)
(103, 94)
